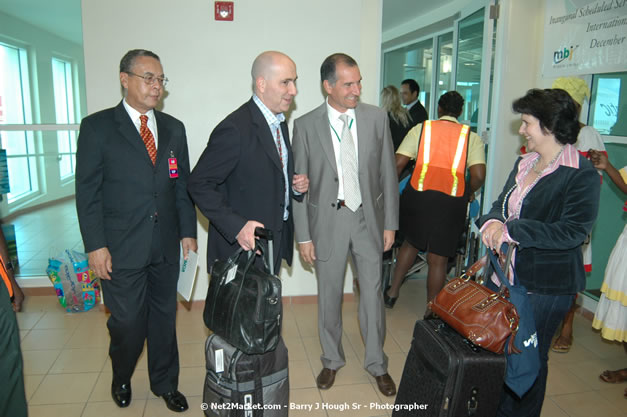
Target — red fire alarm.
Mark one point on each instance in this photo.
(224, 10)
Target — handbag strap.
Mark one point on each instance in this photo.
(474, 268)
(496, 266)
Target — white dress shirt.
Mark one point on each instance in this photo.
(152, 123)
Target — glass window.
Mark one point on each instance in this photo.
(445, 64)
(16, 109)
(414, 61)
(608, 104)
(469, 55)
(62, 81)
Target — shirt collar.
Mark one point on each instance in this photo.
(334, 115)
(271, 118)
(410, 105)
(568, 158)
(449, 118)
(134, 114)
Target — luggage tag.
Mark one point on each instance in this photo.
(219, 360)
(173, 166)
(230, 275)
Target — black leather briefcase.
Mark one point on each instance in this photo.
(243, 303)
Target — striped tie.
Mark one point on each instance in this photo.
(350, 170)
(149, 140)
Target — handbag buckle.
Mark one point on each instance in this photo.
(272, 300)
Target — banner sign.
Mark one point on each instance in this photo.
(584, 37)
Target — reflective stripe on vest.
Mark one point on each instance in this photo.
(5, 277)
(450, 136)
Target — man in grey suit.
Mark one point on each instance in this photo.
(346, 150)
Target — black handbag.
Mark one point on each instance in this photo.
(243, 304)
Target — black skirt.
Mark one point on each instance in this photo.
(432, 221)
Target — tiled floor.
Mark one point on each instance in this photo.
(43, 233)
(68, 373)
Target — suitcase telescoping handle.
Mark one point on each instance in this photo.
(267, 234)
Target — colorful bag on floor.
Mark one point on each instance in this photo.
(76, 286)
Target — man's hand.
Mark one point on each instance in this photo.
(388, 239)
(100, 262)
(308, 252)
(246, 236)
(300, 183)
(188, 243)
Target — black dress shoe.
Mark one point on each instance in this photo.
(387, 300)
(175, 401)
(121, 394)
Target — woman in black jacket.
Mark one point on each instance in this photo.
(547, 207)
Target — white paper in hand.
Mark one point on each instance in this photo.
(187, 274)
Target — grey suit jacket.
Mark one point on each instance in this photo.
(314, 155)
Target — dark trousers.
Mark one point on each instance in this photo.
(548, 312)
(12, 396)
(143, 307)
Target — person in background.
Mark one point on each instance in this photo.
(398, 116)
(547, 208)
(135, 215)
(351, 209)
(611, 313)
(12, 394)
(409, 95)
(587, 139)
(434, 203)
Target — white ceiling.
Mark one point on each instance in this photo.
(60, 17)
(63, 17)
(397, 12)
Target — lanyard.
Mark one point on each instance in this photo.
(350, 125)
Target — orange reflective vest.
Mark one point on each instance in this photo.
(441, 158)
(5, 277)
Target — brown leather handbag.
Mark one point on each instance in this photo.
(483, 316)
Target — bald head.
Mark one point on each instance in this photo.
(266, 64)
(274, 80)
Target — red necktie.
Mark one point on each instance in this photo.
(278, 145)
(149, 140)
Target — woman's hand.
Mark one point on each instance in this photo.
(493, 235)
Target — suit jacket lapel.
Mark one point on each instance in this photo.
(364, 133)
(324, 134)
(163, 147)
(129, 131)
(264, 135)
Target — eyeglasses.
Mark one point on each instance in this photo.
(150, 79)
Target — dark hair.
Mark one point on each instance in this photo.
(451, 104)
(327, 69)
(413, 85)
(128, 60)
(555, 110)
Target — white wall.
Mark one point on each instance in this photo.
(518, 68)
(208, 64)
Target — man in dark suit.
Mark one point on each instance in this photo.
(245, 177)
(351, 209)
(409, 95)
(132, 167)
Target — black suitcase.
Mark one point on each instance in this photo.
(445, 375)
(241, 385)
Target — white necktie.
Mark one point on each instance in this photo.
(350, 169)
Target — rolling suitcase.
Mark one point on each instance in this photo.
(241, 385)
(445, 375)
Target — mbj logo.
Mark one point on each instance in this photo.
(562, 55)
